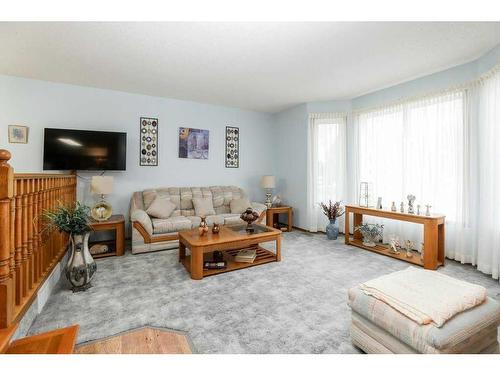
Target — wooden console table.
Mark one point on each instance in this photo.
(433, 235)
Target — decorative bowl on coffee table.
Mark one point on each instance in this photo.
(249, 216)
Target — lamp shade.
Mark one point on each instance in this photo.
(101, 185)
(268, 182)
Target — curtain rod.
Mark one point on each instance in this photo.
(323, 115)
(463, 86)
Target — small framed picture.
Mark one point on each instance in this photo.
(18, 134)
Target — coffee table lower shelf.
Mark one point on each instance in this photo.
(263, 256)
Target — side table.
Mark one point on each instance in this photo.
(272, 217)
(117, 245)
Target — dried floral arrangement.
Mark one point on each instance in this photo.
(332, 210)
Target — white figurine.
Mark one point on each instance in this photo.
(394, 244)
(428, 210)
(409, 247)
(402, 207)
(411, 199)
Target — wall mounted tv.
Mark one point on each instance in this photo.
(68, 149)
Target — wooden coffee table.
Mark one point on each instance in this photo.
(229, 240)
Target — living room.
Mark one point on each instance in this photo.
(238, 188)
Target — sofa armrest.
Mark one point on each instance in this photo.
(143, 218)
(259, 207)
(261, 210)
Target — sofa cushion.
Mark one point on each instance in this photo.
(203, 207)
(238, 206)
(172, 224)
(211, 219)
(161, 207)
(195, 221)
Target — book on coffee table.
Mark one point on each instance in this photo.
(211, 265)
(245, 256)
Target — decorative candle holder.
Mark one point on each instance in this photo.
(216, 228)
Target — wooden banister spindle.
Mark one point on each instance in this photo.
(40, 227)
(31, 276)
(45, 236)
(12, 229)
(6, 287)
(19, 242)
(34, 225)
(24, 219)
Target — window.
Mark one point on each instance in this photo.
(326, 164)
(418, 147)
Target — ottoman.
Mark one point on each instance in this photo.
(378, 328)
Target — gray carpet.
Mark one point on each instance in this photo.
(295, 306)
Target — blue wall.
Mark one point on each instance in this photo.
(290, 126)
(271, 143)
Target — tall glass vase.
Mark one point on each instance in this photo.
(81, 266)
(332, 230)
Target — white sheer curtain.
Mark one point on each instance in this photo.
(326, 164)
(418, 147)
(486, 96)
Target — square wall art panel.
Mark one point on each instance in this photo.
(193, 143)
(232, 147)
(149, 142)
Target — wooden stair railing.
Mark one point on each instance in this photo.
(28, 253)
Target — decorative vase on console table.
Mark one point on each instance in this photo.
(332, 212)
(371, 233)
(74, 220)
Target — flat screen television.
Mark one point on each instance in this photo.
(68, 149)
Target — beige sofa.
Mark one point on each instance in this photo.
(152, 234)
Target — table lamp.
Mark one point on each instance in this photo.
(102, 185)
(268, 183)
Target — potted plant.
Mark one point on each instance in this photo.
(74, 220)
(371, 233)
(332, 212)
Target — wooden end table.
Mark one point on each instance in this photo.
(117, 245)
(272, 216)
(230, 240)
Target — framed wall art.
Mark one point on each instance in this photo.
(232, 154)
(193, 143)
(18, 134)
(149, 142)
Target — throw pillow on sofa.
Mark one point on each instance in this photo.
(238, 206)
(203, 207)
(161, 207)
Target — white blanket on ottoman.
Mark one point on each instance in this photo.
(425, 296)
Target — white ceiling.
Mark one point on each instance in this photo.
(258, 66)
